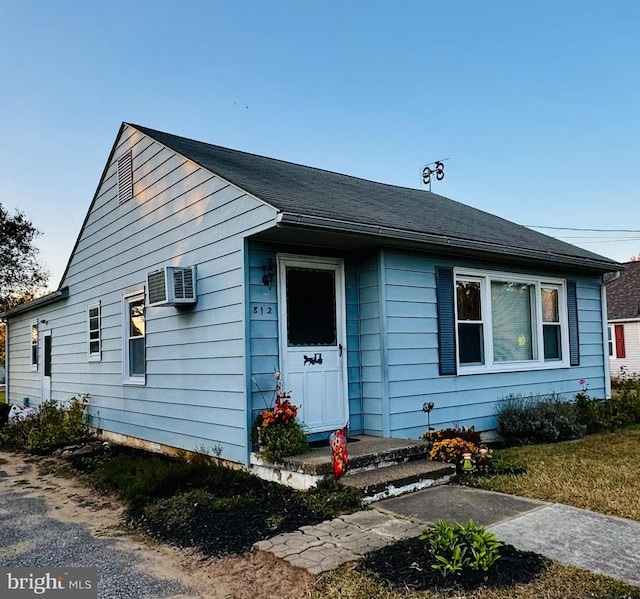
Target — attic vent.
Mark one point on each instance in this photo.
(125, 177)
(171, 286)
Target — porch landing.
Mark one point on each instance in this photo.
(381, 467)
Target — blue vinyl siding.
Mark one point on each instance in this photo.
(470, 400)
(371, 347)
(263, 330)
(354, 373)
(181, 214)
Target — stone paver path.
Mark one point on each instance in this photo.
(330, 544)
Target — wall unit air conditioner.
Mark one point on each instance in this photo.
(172, 286)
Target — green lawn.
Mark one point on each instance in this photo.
(598, 472)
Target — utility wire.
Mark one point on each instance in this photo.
(579, 229)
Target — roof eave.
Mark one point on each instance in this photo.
(623, 319)
(39, 302)
(430, 239)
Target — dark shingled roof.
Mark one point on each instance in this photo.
(623, 293)
(305, 191)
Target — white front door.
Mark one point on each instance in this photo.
(313, 353)
(45, 361)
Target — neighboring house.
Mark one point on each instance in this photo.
(371, 299)
(623, 309)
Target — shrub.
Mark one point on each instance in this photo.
(464, 547)
(281, 440)
(451, 450)
(139, 477)
(592, 413)
(328, 498)
(622, 409)
(457, 432)
(538, 419)
(4, 414)
(54, 425)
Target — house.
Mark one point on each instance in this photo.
(623, 309)
(200, 269)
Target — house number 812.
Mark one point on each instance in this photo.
(262, 310)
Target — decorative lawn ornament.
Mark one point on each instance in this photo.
(467, 462)
(339, 457)
(482, 465)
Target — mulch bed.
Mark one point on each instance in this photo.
(223, 516)
(232, 531)
(407, 564)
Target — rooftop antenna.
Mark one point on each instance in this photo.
(433, 168)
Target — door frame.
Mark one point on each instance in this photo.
(45, 380)
(337, 265)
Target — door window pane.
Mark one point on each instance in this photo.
(511, 315)
(34, 346)
(311, 307)
(47, 355)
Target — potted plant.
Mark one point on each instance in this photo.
(277, 430)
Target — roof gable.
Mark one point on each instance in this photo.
(623, 293)
(300, 190)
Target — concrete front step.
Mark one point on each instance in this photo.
(365, 453)
(398, 479)
(381, 467)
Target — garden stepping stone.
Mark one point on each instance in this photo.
(330, 544)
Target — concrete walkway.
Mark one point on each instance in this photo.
(588, 540)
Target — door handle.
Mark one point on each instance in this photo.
(340, 350)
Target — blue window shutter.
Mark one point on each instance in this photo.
(446, 320)
(572, 311)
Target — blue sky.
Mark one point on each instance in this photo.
(536, 105)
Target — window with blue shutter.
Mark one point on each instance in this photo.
(491, 321)
(446, 321)
(572, 314)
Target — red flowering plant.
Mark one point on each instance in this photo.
(284, 411)
(277, 430)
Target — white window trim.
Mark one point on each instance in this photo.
(127, 298)
(611, 341)
(34, 365)
(486, 276)
(95, 356)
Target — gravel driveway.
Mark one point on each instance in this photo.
(50, 519)
(34, 534)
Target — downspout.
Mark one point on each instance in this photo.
(384, 345)
(361, 383)
(605, 342)
(247, 350)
